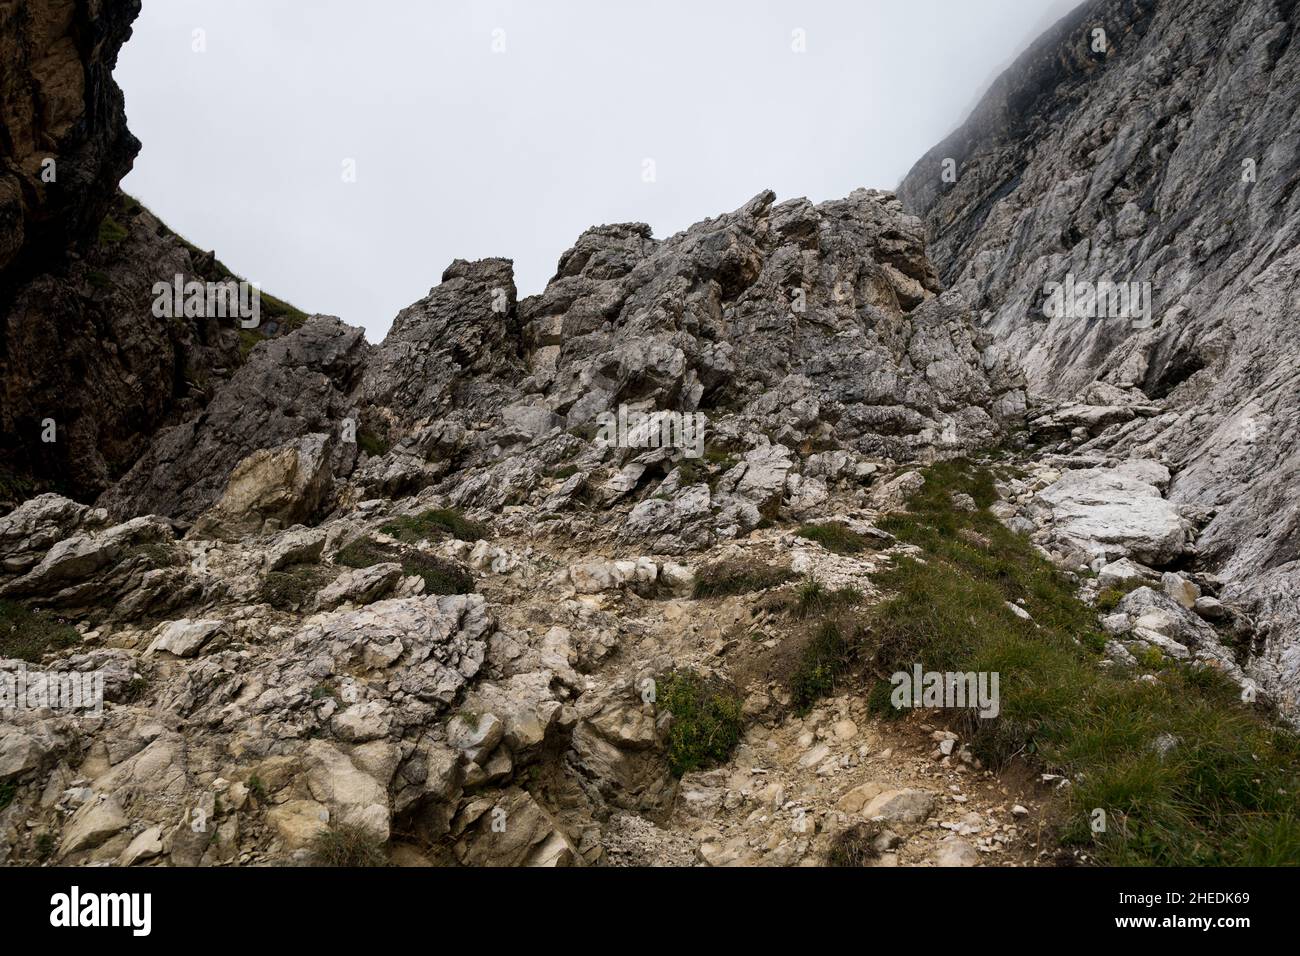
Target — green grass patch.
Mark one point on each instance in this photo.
(1226, 792)
(287, 317)
(690, 473)
(814, 599)
(293, 587)
(720, 458)
(111, 232)
(834, 536)
(880, 702)
(440, 577)
(1109, 598)
(827, 659)
(706, 725)
(435, 522)
(28, 635)
(249, 340)
(372, 443)
(706, 469)
(347, 846)
(731, 577)
(364, 553)
(154, 555)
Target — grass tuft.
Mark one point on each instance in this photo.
(834, 536)
(706, 725)
(732, 577)
(435, 522)
(827, 658)
(372, 442)
(812, 599)
(347, 846)
(440, 577)
(1108, 600)
(293, 587)
(111, 232)
(28, 635)
(856, 846)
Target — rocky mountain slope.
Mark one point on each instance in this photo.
(791, 326)
(1170, 158)
(334, 637)
(428, 601)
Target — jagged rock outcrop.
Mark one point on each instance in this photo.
(291, 387)
(823, 321)
(1169, 158)
(457, 349)
(123, 571)
(803, 323)
(785, 327)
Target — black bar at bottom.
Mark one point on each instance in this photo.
(334, 906)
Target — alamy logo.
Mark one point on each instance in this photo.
(82, 691)
(75, 909)
(1104, 299)
(208, 300)
(684, 430)
(953, 689)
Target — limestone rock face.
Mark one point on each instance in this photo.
(126, 570)
(456, 348)
(515, 832)
(183, 638)
(1168, 159)
(778, 325)
(282, 486)
(95, 822)
(820, 319)
(31, 529)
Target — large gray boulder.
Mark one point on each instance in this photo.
(1113, 513)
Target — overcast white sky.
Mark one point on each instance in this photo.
(463, 152)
